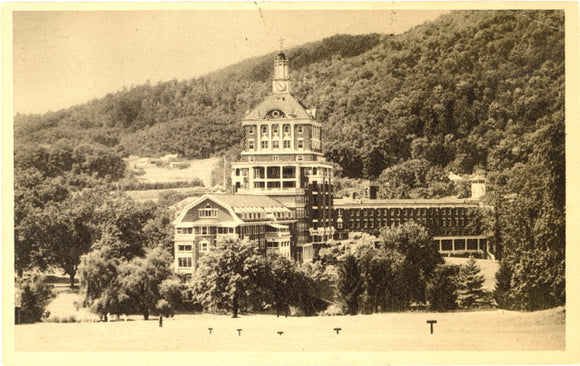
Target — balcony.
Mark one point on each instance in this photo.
(278, 236)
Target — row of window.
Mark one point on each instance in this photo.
(203, 247)
(286, 128)
(287, 144)
(277, 158)
(274, 244)
(261, 215)
(208, 212)
(445, 211)
(184, 230)
(444, 222)
(205, 230)
(462, 244)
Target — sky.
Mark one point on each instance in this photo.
(64, 58)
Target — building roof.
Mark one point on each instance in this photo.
(247, 200)
(235, 203)
(284, 102)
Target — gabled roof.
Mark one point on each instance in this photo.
(231, 202)
(285, 102)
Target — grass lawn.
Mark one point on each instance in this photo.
(494, 330)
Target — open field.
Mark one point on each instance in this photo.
(494, 330)
(198, 168)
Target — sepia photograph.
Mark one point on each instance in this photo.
(289, 183)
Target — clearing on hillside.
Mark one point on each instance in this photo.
(198, 168)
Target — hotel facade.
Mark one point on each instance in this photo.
(283, 201)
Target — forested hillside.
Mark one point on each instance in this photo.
(455, 92)
(471, 90)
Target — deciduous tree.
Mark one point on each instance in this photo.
(229, 277)
(421, 256)
(141, 280)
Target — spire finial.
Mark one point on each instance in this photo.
(281, 40)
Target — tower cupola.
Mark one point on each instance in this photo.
(281, 82)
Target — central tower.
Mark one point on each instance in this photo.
(282, 158)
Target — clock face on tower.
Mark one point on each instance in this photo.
(280, 86)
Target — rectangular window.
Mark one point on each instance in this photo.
(184, 262)
(275, 144)
(264, 144)
(299, 157)
(185, 280)
(184, 230)
(286, 129)
(184, 248)
(300, 143)
(204, 246)
(286, 144)
(275, 129)
(264, 129)
(300, 129)
(251, 130)
(250, 144)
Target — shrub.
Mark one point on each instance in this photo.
(333, 310)
(34, 297)
(164, 308)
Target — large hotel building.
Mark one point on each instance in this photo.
(283, 200)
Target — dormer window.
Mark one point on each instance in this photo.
(207, 212)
